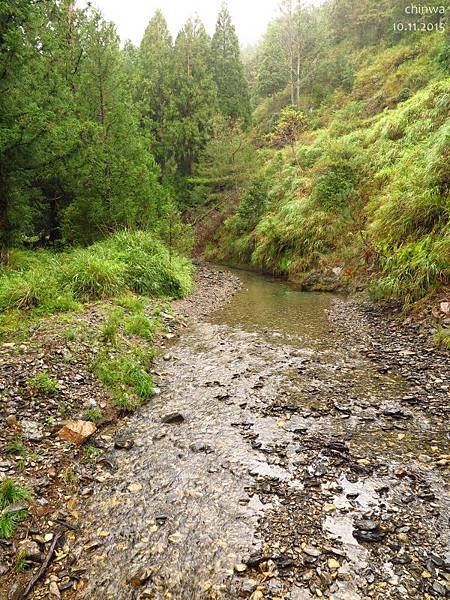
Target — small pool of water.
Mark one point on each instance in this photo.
(273, 306)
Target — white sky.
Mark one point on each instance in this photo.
(250, 17)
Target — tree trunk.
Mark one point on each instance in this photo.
(4, 229)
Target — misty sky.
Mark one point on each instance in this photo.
(131, 16)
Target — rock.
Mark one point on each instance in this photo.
(16, 591)
(201, 447)
(333, 564)
(31, 430)
(439, 589)
(11, 421)
(365, 524)
(312, 551)
(285, 561)
(240, 567)
(367, 531)
(134, 487)
(110, 462)
(161, 519)
(173, 418)
(123, 441)
(14, 508)
(31, 550)
(77, 432)
(91, 403)
(248, 586)
(139, 577)
(255, 560)
(54, 590)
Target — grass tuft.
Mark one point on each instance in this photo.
(14, 499)
(142, 326)
(43, 384)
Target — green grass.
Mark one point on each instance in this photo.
(91, 276)
(142, 326)
(125, 265)
(368, 192)
(11, 495)
(93, 414)
(132, 302)
(43, 384)
(70, 334)
(442, 337)
(22, 562)
(90, 452)
(110, 327)
(16, 447)
(127, 378)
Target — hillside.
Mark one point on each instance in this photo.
(361, 194)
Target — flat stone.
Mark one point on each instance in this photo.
(312, 551)
(77, 432)
(173, 418)
(201, 447)
(123, 442)
(140, 576)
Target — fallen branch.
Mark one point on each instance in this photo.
(43, 568)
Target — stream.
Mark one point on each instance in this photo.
(278, 461)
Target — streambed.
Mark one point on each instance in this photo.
(295, 467)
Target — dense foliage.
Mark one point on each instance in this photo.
(95, 138)
(343, 163)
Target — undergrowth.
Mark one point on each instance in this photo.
(40, 283)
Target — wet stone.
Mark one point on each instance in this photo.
(173, 418)
(123, 441)
(201, 447)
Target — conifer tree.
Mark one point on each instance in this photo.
(195, 92)
(232, 88)
(154, 79)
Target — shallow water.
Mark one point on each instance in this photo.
(264, 385)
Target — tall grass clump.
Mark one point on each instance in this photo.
(149, 267)
(91, 276)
